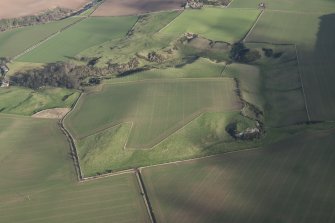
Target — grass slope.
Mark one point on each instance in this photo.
(24, 101)
(92, 31)
(38, 180)
(314, 35)
(201, 68)
(205, 135)
(156, 108)
(228, 25)
(291, 181)
(16, 41)
(143, 38)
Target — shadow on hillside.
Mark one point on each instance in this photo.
(291, 181)
(318, 69)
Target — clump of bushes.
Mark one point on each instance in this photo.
(48, 16)
(240, 53)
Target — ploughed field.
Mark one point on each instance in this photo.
(136, 7)
(155, 108)
(290, 181)
(39, 183)
(19, 8)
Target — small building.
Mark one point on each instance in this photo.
(261, 5)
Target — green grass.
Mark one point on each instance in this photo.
(314, 35)
(205, 135)
(156, 108)
(24, 101)
(143, 38)
(16, 66)
(290, 181)
(293, 5)
(228, 25)
(91, 31)
(39, 184)
(16, 41)
(201, 68)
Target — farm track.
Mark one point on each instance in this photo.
(302, 83)
(253, 26)
(48, 38)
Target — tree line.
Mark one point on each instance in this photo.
(47, 16)
(70, 75)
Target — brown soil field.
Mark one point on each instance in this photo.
(19, 8)
(55, 113)
(135, 7)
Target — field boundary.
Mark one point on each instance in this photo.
(167, 25)
(253, 26)
(47, 39)
(298, 68)
(145, 195)
(302, 84)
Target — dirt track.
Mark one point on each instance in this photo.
(135, 7)
(55, 113)
(18, 8)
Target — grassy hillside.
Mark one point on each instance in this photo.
(16, 41)
(290, 181)
(156, 108)
(92, 31)
(24, 101)
(228, 25)
(39, 183)
(104, 151)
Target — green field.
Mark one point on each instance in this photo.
(24, 101)
(229, 25)
(201, 68)
(16, 41)
(143, 38)
(314, 36)
(104, 151)
(156, 108)
(91, 31)
(292, 5)
(39, 183)
(290, 181)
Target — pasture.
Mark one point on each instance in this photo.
(229, 25)
(201, 68)
(313, 34)
(104, 151)
(290, 181)
(85, 34)
(14, 42)
(24, 101)
(325, 6)
(19, 8)
(143, 38)
(136, 7)
(39, 183)
(144, 103)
